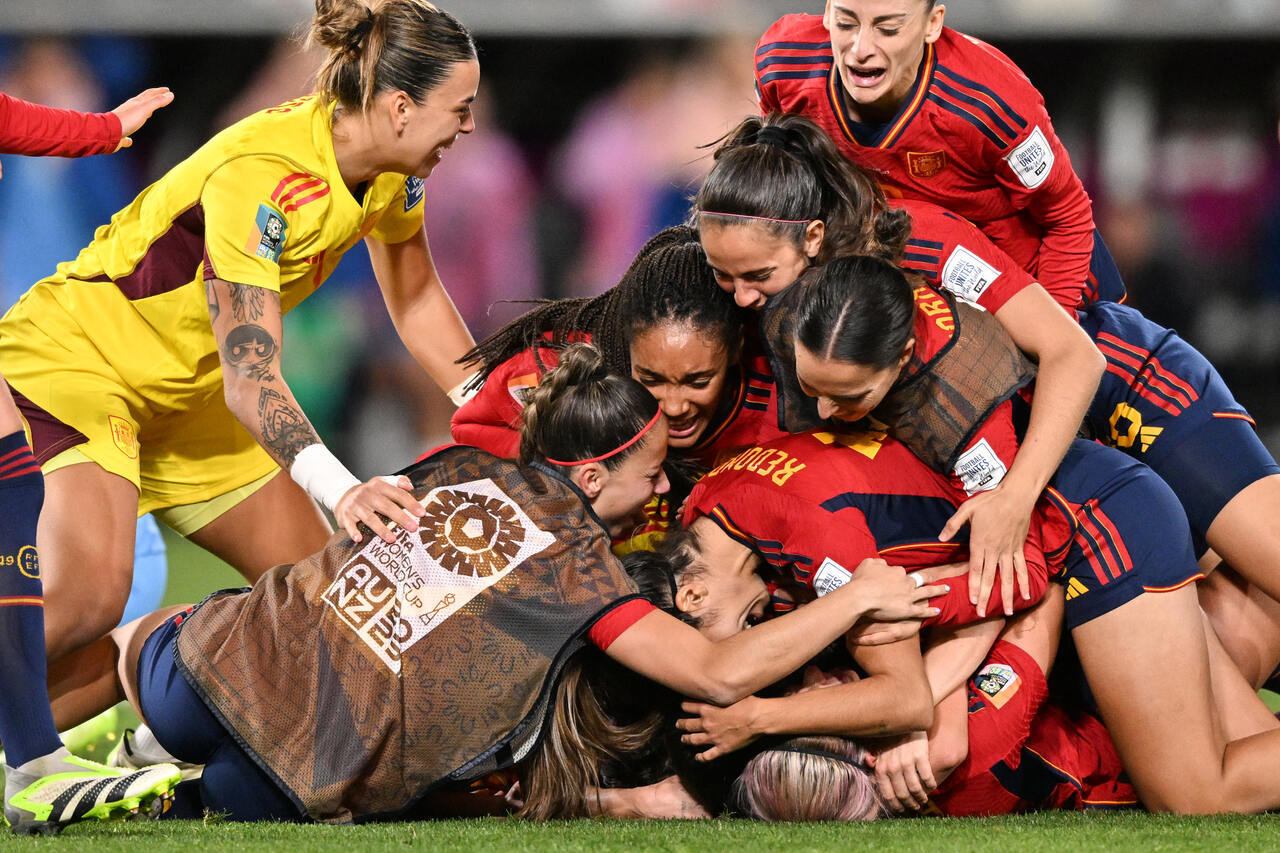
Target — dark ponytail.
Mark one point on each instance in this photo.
(580, 411)
(783, 172)
(669, 281)
(858, 310)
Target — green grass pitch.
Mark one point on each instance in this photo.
(1074, 832)
(193, 573)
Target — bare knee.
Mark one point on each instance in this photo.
(77, 615)
(1183, 796)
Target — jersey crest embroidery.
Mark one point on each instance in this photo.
(267, 238)
(926, 164)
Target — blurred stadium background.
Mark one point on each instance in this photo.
(590, 121)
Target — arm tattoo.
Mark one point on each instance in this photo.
(285, 430)
(211, 296)
(247, 302)
(250, 350)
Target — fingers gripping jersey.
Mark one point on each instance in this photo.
(816, 504)
(972, 135)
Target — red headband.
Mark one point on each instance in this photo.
(616, 450)
(749, 216)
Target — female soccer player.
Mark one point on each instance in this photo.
(38, 770)
(149, 368)
(1159, 401)
(1119, 541)
(669, 326)
(346, 686)
(944, 117)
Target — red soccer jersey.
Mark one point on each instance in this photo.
(972, 135)
(1026, 753)
(952, 254)
(27, 128)
(817, 504)
(491, 419)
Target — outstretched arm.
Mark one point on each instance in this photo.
(672, 653)
(421, 309)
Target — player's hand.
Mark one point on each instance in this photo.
(668, 799)
(381, 498)
(887, 593)
(903, 772)
(134, 112)
(724, 730)
(998, 522)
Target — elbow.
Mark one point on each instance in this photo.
(723, 689)
(946, 754)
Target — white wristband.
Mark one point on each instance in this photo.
(322, 475)
(460, 394)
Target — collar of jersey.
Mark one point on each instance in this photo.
(881, 135)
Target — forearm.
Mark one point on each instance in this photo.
(956, 654)
(870, 707)
(751, 660)
(271, 413)
(1066, 384)
(434, 333)
(33, 129)
(421, 309)
(949, 734)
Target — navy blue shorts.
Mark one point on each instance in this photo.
(1104, 282)
(232, 782)
(1125, 532)
(1164, 404)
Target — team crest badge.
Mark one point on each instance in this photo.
(998, 682)
(266, 240)
(413, 192)
(29, 561)
(926, 164)
(123, 436)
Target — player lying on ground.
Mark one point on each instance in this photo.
(348, 685)
(1118, 540)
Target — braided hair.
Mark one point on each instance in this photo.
(669, 281)
(785, 172)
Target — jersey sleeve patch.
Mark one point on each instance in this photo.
(998, 682)
(830, 576)
(1032, 160)
(266, 238)
(413, 192)
(980, 468)
(967, 275)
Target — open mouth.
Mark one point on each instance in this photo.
(866, 77)
(684, 430)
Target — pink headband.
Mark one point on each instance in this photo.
(749, 216)
(616, 450)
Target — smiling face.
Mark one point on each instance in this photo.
(618, 495)
(752, 262)
(431, 127)
(724, 591)
(878, 47)
(685, 368)
(846, 391)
